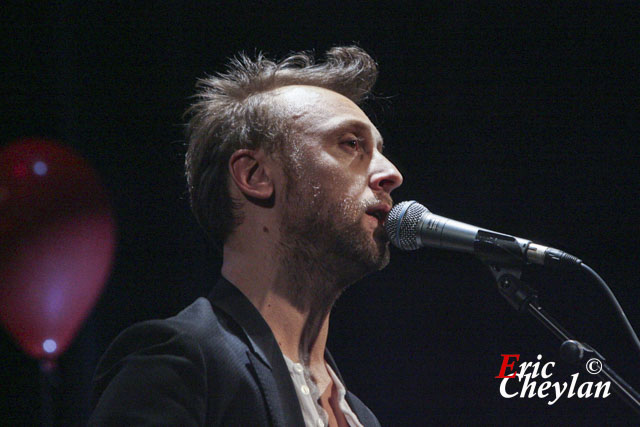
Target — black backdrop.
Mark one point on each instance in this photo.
(521, 118)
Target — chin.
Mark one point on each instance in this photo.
(379, 253)
(384, 257)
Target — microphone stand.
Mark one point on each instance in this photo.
(525, 299)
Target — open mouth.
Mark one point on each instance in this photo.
(379, 212)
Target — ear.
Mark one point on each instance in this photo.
(251, 173)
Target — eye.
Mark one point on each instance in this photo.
(352, 144)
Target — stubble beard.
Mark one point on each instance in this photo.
(324, 246)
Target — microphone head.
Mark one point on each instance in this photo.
(402, 224)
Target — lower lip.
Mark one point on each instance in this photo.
(377, 221)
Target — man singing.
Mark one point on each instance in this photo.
(286, 174)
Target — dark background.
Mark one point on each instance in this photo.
(520, 118)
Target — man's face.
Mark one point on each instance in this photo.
(338, 183)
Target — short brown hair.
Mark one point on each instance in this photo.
(232, 112)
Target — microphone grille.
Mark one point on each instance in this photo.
(402, 224)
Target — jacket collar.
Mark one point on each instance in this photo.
(229, 299)
(265, 356)
(226, 297)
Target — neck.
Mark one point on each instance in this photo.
(292, 293)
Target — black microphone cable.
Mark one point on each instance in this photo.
(410, 226)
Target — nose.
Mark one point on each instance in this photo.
(385, 176)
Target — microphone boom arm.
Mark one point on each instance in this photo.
(525, 299)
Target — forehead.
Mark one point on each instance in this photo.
(317, 110)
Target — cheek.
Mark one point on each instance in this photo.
(343, 179)
(348, 184)
(324, 174)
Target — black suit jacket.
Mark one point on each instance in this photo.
(215, 363)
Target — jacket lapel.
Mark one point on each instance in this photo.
(264, 355)
(362, 412)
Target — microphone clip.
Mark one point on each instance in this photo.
(514, 290)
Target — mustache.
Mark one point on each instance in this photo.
(379, 199)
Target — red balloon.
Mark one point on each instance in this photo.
(57, 238)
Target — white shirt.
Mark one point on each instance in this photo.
(309, 397)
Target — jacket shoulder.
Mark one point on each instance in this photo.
(169, 367)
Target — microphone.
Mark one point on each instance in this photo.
(410, 226)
